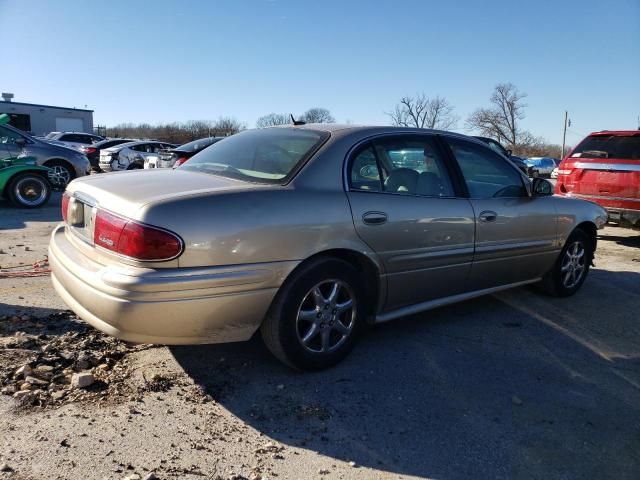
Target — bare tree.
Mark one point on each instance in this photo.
(227, 126)
(317, 115)
(501, 120)
(273, 119)
(424, 112)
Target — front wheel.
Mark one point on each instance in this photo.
(317, 315)
(571, 268)
(29, 190)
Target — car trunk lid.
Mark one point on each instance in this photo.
(125, 193)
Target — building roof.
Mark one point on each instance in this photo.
(44, 106)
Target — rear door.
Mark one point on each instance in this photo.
(516, 234)
(405, 208)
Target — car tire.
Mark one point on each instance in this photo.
(62, 173)
(571, 268)
(135, 166)
(308, 331)
(28, 190)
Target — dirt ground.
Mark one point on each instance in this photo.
(515, 385)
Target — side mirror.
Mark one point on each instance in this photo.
(542, 187)
(509, 151)
(20, 142)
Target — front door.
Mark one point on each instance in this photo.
(405, 208)
(516, 234)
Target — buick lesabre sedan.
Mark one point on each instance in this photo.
(310, 233)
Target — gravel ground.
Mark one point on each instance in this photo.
(514, 385)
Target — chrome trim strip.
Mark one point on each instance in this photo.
(603, 197)
(440, 302)
(614, 167)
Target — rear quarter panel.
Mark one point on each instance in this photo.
(270, 225)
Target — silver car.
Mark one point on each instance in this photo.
(130, 156)
(65, 163)
(311, 233)
(75, 140)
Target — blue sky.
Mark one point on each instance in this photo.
(134, 61)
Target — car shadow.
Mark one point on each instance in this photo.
(12, 217)
(515, 385)
(626, 241)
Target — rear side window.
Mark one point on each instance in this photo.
(486, 174)
(608, 146)
(405, 165)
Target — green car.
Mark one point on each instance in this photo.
(23, 182)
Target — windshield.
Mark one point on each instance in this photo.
(609, 146)
(264, 155)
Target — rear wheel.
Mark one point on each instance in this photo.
(572, 266)
(61, 173)
(29, 190)
(317, 315)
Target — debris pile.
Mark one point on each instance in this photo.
(55, 360)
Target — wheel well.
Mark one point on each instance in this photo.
(591, 230)
(363, 264)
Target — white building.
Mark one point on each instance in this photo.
(42, 119)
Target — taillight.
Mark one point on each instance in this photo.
(133, 239)
(180, 161)
(65, 206)
(88, 150)
(564, 171)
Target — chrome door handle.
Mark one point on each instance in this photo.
(374, 218)
(488, 216)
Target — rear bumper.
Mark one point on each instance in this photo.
(622, 210)
(172, 306)
(624, 217)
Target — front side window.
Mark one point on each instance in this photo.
(268, 155)
(486, 174)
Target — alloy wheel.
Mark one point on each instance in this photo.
(573, 265)
(326, 316)
(59, 175)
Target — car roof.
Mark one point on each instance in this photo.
(375, 129)
(619, 133)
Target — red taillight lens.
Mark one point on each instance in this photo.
(65, 206)
(108, 229)
(180, 161)
(132, 239)
(88, 150)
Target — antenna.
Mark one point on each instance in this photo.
(297, 122)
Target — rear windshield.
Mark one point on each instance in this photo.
(197, 145)
(608, 146)
(268, 155)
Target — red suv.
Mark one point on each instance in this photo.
(605, 168)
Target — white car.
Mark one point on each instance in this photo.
(75, 140)
(130, 156)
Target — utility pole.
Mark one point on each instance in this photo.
(564, 134)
